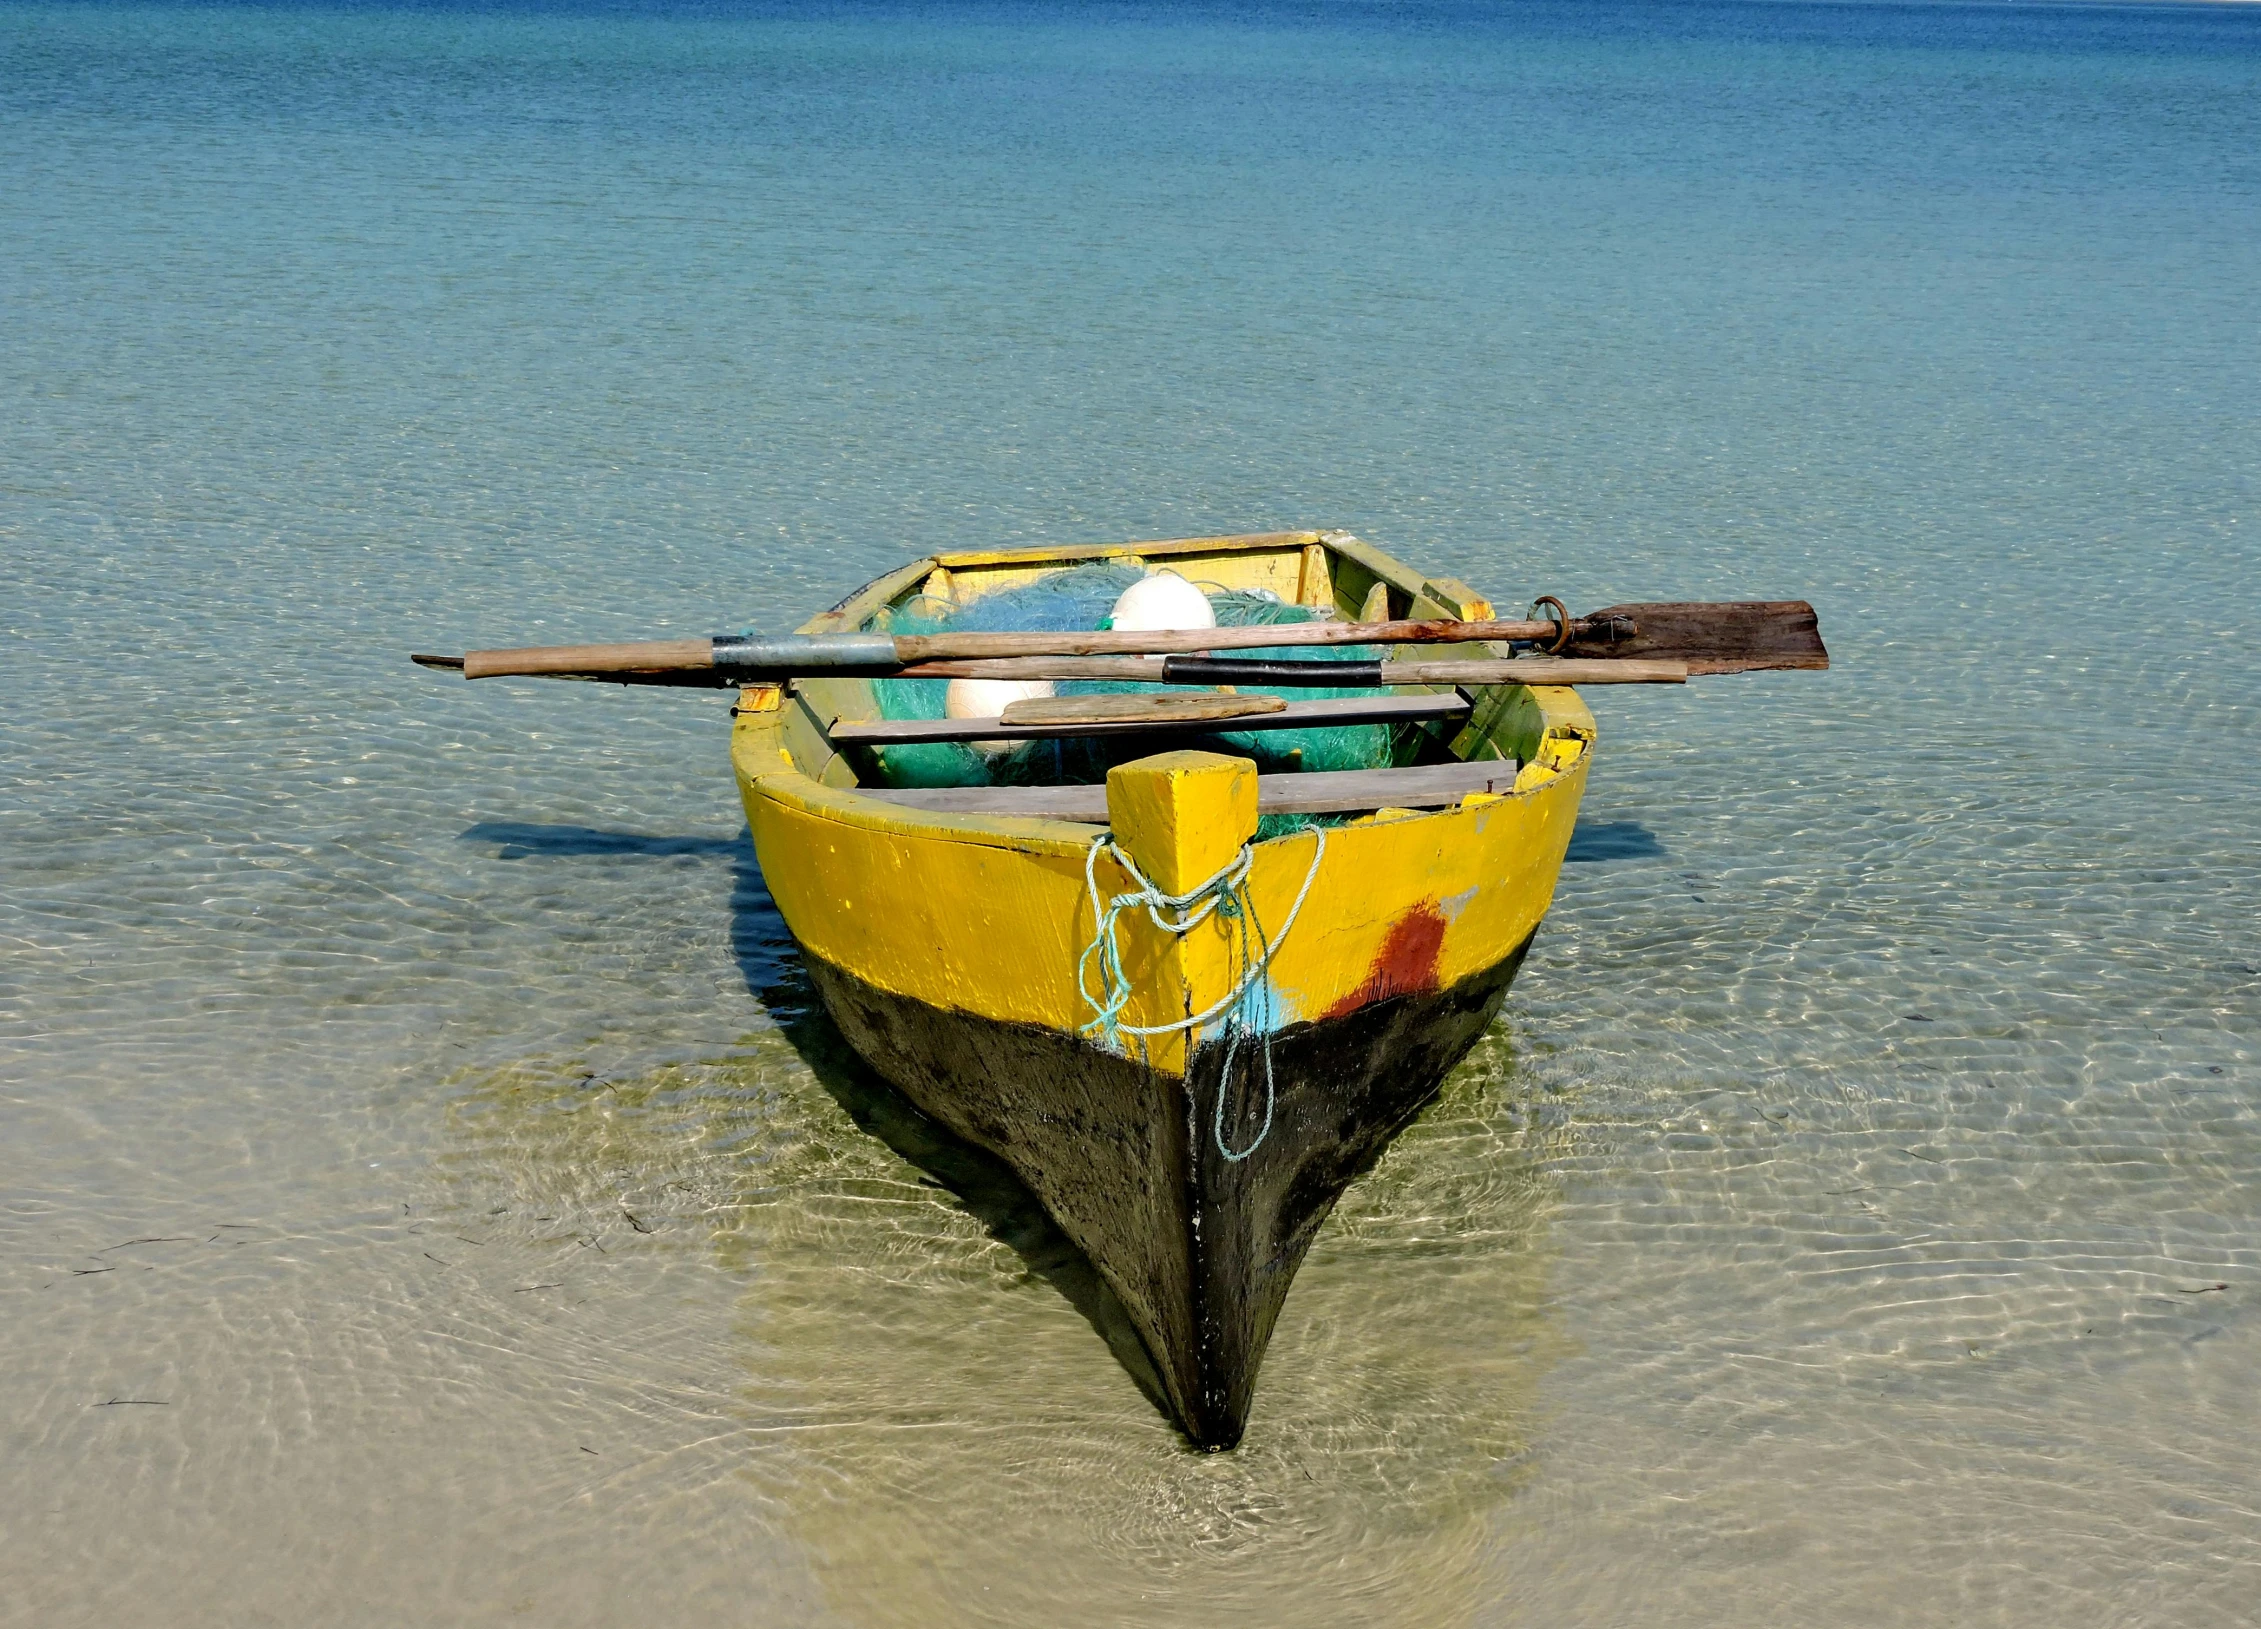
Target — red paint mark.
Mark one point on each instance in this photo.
(1405, 965)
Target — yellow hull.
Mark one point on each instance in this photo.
(989, 916)
(949, 947)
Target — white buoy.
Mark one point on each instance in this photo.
(986, 698)
(1161, 603)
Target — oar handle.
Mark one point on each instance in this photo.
(649, 656)
(775, 655)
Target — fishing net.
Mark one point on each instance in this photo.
(1080, 597)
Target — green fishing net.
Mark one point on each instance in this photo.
(1080, 597)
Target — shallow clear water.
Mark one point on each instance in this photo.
(426, 1194)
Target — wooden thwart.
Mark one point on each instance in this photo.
(1137, 709)
(1344, 791)
(1291, 716)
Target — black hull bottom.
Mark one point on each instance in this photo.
(1199, 1249)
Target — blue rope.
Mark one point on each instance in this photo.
(1225, 896)
(1236, 1026)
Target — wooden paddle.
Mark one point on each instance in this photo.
(1728, 636)
(1731, 637)
(1197, 670)
(1321, 675)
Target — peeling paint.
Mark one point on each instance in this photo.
(1406, 963)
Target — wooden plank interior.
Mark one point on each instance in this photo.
(1405, 584)
(1274, 571)
(970, 583)
(1495, 709)
(1347, 791)
(1136, 708)
(805, 742)
(1056, 553)
(1296, 715)
(1459, 599)
(857, 609)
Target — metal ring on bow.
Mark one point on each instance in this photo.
(1560, 617)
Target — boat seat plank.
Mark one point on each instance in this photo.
(1341, 791)
(1296, 715)
(1203, 704)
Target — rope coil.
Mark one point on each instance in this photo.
(1223, 895)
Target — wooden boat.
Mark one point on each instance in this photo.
(1189, 1148)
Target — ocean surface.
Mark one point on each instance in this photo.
(428, 1194)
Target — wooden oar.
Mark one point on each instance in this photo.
(1321, 675)
(1723, 638)
(1202, 671)
(808, 654)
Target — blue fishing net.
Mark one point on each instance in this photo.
(1080, 597)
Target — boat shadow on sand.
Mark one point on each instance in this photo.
(980, 1181)
(984, 1185)
(771, 965)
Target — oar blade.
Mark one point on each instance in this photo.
(1725, 636)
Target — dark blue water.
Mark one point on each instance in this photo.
(1853, 1217)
